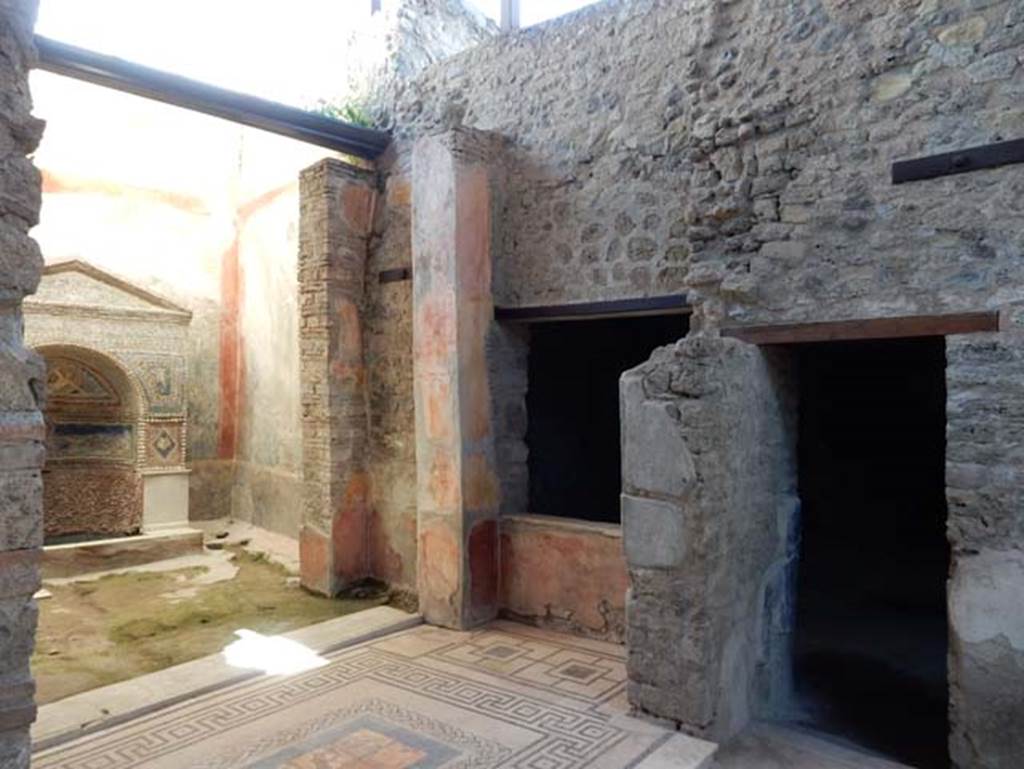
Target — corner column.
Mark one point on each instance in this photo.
(337, 203)
(457, 490)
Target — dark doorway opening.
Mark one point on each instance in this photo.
(871, 633)
(573, 409)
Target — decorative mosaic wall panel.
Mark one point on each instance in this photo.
(72, 382)
(165, 444)
(163, 380)
(97, 442)
(91, 499)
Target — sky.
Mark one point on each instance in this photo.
(286, 51)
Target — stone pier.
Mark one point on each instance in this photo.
(22, 380)
(335, 224)
(454, 184)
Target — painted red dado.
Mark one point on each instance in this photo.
(349, 530)
(315, 560)
(483, 568)
(439, 565)
(570, 574)
(386, 563)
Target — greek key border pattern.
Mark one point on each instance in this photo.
(567, 739)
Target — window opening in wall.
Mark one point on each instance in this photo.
(871, 635)
(573, 409)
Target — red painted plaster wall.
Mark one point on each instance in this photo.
(566, 575)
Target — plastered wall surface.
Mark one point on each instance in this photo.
(269, 446)
(116, 198)
(214, 229)
(564, 575)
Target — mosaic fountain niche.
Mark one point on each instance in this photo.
(115, 405)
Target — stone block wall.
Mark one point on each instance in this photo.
(22, 383)
(984, 473)
(709, 509)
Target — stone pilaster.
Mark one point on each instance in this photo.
(22, 377)
(708, 520)
(337, 203)
(454, 186)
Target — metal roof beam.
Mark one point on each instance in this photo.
(109, 71)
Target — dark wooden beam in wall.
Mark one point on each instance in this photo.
(674, 304)
(959, 162)
(394, 275)
(870, 328)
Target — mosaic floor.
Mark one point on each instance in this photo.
(505, 696)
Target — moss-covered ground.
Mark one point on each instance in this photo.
(121, 626)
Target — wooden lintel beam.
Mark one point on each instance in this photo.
(867, 328)
(959, 162)
(395, 275)
(674, 304)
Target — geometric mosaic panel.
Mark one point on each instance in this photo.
(164, 444)
(424, 699)
(365, 741)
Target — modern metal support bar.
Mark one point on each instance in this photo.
(122, 75)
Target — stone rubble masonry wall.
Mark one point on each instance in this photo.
(740, 151)
(456, 187)
(22, 378)
(337, 202)
(708, 510)
(401, 40)
(985, 493)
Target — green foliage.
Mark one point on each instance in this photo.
(350, 113)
